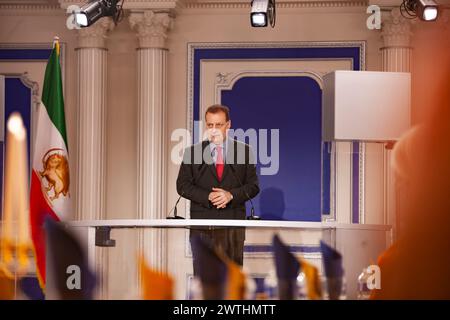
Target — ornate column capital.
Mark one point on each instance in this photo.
(152, 28)
(396, 30)
(95, 36)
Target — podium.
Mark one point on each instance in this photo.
(360, 245)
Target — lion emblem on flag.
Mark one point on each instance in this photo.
(56, 173)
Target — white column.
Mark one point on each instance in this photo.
(92, 66)
(152, 29)
(396, 56)
(396, 53)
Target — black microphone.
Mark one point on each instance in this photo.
(175, 210)
(252, 211)
(175, 215)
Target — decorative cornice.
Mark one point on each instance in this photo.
(95, 36)
(157, 5)
(30, 9)
(292, 4)
(169, 5)
(396, 30)
(160, 5)
(29, 1)
(67, 3)
(151, 28)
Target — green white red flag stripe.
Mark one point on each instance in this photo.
(50, 178)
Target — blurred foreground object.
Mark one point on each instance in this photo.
(287, 268)
(155, 285)
(334, 271)
(417, 265)
(296, 278)
(15, 243)
(220, 277)
(69, 275)
(7, 285)
(313, 286)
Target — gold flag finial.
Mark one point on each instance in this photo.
(56, 44)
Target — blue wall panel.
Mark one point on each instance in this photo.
(17, 98)
(292, 105)
(301, 189)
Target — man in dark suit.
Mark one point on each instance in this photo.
(218, 175)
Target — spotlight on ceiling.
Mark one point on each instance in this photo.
(96, 9)
(263, 13)
(426, 10)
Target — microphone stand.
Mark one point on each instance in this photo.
(175, 215)
(175, 210)
(252, 215)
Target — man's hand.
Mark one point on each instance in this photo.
(220, 198)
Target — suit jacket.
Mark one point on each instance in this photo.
(197, 177)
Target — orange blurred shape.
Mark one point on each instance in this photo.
(156, 285)
(417, 265)
(314, 289)
(235, 289)
(6, 286)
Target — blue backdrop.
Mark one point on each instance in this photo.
(17, 98)
(292, 105)
(301, 188)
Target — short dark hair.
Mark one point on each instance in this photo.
(219, 108)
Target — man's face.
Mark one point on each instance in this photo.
(217, 126)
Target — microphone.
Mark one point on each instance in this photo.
(175, 210)
(175, 215)
(252, 211)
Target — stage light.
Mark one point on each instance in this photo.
(263, 13)
(96, 9)
(426, 10)
(259, 20)
(81, 19)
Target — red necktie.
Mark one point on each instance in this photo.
(219, 163)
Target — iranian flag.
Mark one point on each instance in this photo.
(49, 196)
